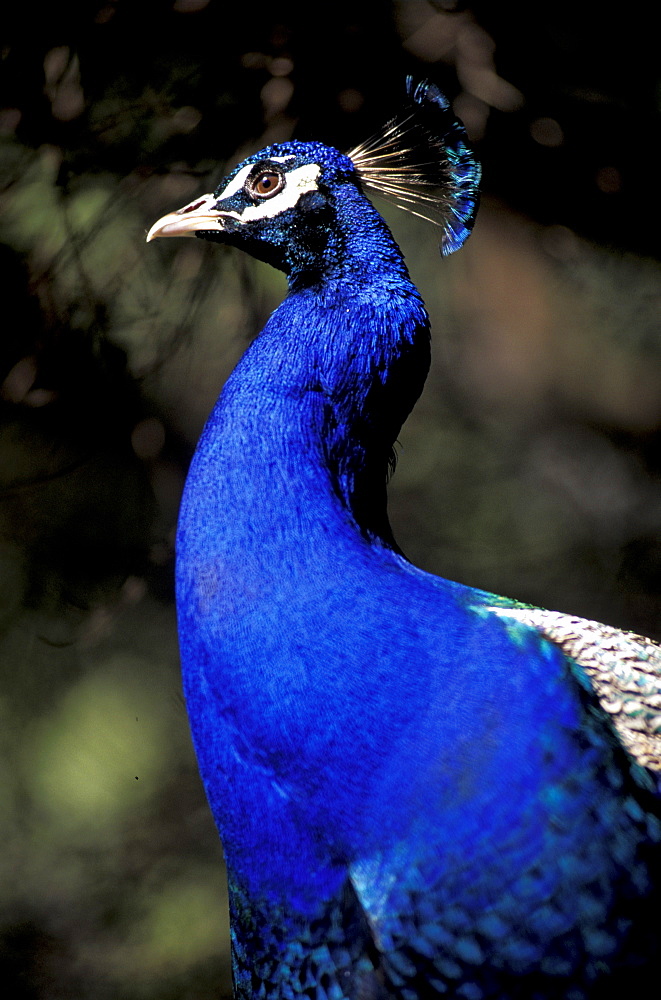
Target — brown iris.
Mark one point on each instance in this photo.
(265, 184)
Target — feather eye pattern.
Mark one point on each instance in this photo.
(422, 162)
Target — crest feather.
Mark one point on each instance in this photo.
(422, 162)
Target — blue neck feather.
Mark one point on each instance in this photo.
(327, 385)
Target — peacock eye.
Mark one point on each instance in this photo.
(265, 184)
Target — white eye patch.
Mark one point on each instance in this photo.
(237, 182)
(297, 183)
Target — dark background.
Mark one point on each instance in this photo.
(531, 466)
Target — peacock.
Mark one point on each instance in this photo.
(422, 789)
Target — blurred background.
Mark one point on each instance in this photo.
(531, 466)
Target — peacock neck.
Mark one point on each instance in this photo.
(315, 405)
(300, 442)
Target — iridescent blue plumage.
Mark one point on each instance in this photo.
(418, 794)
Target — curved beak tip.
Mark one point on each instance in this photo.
(172, 224)
(197, 216)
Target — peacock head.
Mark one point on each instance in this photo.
(271, 205)
(281, 204)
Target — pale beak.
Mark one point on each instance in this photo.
(186, 221)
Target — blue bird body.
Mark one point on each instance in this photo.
(417, 793)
